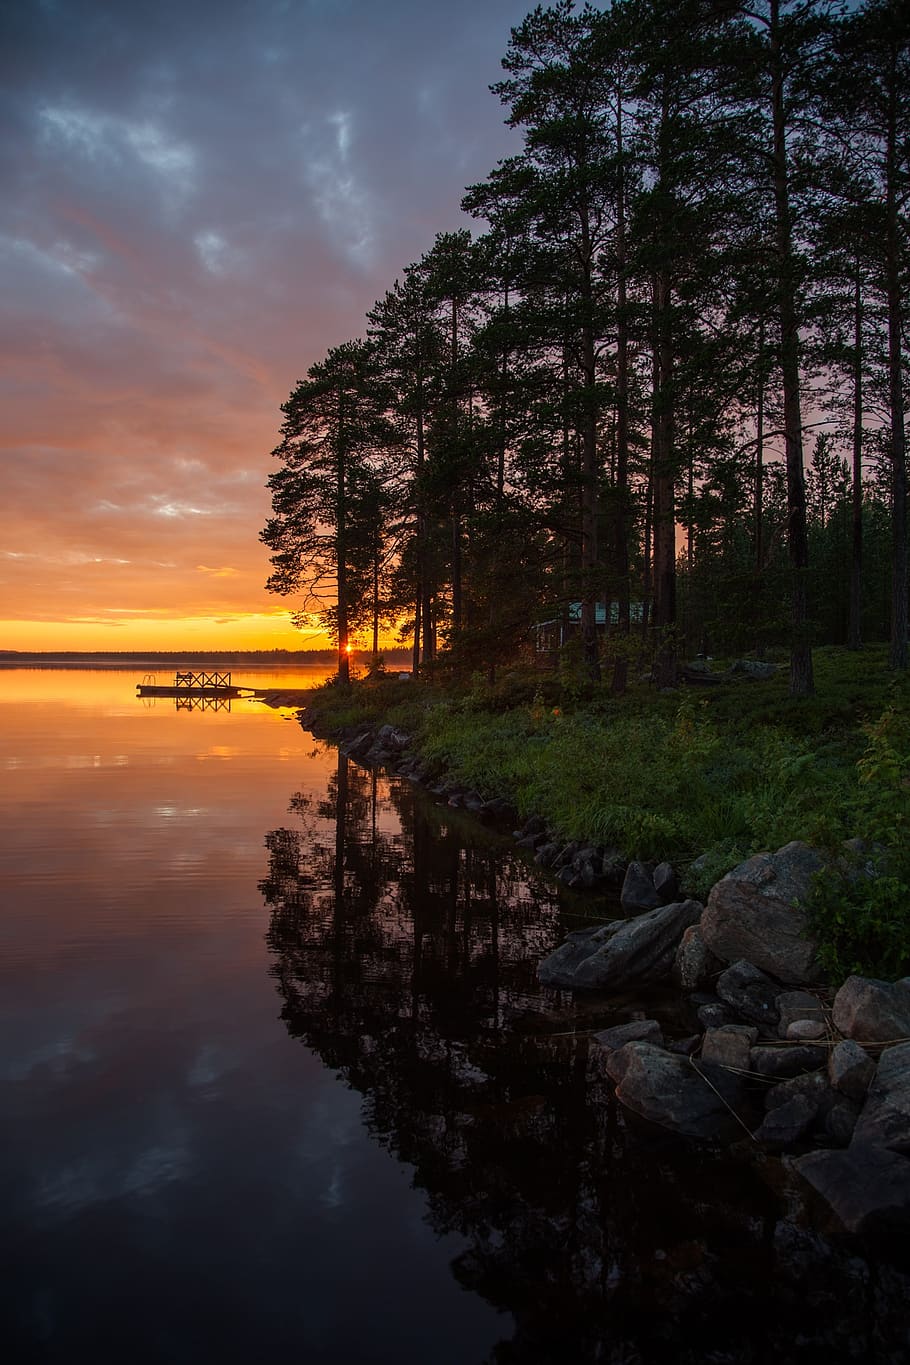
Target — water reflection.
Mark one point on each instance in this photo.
(405, 943)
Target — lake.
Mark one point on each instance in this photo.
(277, 1075)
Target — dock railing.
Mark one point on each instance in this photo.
(204, 679)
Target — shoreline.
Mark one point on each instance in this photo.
(786, 1065)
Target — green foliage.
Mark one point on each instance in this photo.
(861, 907)
(862, 921)
(701, 778)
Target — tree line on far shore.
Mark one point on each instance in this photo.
(664, 388)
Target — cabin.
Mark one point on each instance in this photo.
(553, 634)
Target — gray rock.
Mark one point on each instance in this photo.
(873, 1011)
(613, 867)
(784, 1062)
(851, 1070)
(638, 889)
(785, 1125)
(558, 969)
(750, 993)
(535, 825)
(714, 1015)
(806, 1030)
(863, 1186)
(666, 883)
(812, 1086)
(689, 1099)
(839, 1123)
(751, 914)
(757, 669)
(885, 1117)
(566, 855)
(685, 1046)
(794, 1005)
(546, 854)
(729, 1046)
(695, 963)
(636, 1031)
(632, 951)
(526, 840)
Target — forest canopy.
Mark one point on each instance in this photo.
(662, 391)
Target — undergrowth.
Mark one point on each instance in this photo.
(700, 777)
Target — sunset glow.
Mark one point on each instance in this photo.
(197, 203)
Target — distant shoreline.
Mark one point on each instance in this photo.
(124, 659)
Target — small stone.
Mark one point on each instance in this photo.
(695, 963)
(714, 1016)
(793, 1005)
(546, 854)
(534, 841)
(750, 992)
(806, 1030)
(729, 1046)
(636, 1031)
(638, 890)
(666, 882)
(684, 1047)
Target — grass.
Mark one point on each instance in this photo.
(708, 774)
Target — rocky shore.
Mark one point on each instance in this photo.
(779, 1059)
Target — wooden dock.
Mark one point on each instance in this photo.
(204, 683)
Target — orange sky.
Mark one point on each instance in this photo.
(196, 206)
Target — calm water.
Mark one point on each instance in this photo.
(277, 1074)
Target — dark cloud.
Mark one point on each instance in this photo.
(198, 200)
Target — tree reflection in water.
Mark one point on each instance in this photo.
(405, 943)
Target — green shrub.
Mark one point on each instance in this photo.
(862, 914)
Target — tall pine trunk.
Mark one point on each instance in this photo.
(664, 514)
(341, 548)
(898, 651)
(854, 621)
(801, 678)
(621, 567)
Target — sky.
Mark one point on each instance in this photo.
(196, 201)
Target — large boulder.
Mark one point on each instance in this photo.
(752, 914)
(864, 1186)
(885, 1117)
(694, 1100)
(873, 1011)
(629, 951)
(559, 968)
